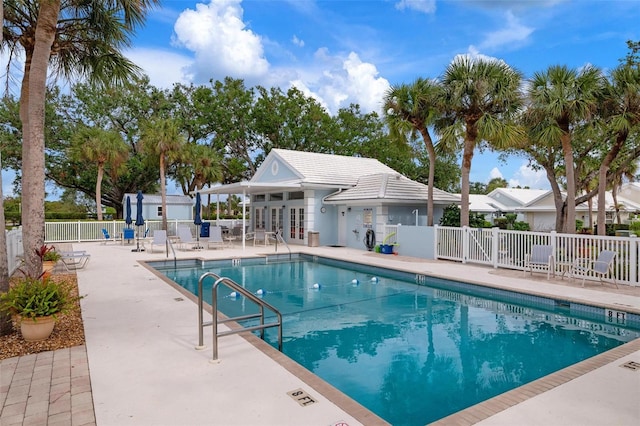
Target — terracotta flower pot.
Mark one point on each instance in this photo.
(35, 329)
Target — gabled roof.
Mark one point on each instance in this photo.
(328, 169)
(518, 195)
(389, 187)
(285, 169)
(481, 203)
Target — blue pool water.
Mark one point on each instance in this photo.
(410, 353)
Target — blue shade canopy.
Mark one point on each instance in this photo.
(139, 218)
(127, 219)
(197, 220)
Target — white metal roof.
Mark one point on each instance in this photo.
(390, 187)
(329, 169)
(484, 204)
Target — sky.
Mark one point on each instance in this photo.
(352, 51)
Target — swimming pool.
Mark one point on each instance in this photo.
(410, 353)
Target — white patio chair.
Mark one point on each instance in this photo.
(73, 260)
(185, 239)
(260, 235)
(539, 260)
(600, 267)
(159, 239)
(215, 238)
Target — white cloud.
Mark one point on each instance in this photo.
(512, 35)
(495, 173)
(222, 44)
(525, 176)
(295, 40)
(164, 68)
(425, 6)
(337, 81)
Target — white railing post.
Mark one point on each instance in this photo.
(79, 229)
(465, 244)
(634, 268)
(495, 246)
(436, 242)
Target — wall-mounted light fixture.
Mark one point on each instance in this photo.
(348, 209)
(342, 213)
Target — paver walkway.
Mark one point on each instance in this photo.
(48, 388)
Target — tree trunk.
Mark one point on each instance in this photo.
(33, 146)
(467, 155)
(5, 318)
(432, 173)
(99, 191)
(570, 222)
(163, 193)
(602, 180)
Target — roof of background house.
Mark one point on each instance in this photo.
(482, 203)
(329, 169)
(157, 199)
(519, 195)
(390, 187)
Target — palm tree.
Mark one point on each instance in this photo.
(479, 98)
(105, 149)
(564, 98)
(163, 138)
(199, 165)
(79, 39)
(622, 114)
(412, 108)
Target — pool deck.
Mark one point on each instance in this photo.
(139, 365)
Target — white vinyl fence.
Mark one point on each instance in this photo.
(59, 232)
(508, 249)
(14, 249)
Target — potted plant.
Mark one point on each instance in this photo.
(34, 303)
(49, 257)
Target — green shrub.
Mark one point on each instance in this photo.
(501, 222)
(521, 226)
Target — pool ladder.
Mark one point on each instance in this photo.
(228, 282)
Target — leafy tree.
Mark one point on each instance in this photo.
(479, 99)
(105, 149)
(622, 115)
(477, 188)
(163, 138)
(411, 109)
(560, 99)
(88, 40)
(497, 182)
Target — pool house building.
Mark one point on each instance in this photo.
(338, 200)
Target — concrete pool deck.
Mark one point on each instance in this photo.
(143, 369)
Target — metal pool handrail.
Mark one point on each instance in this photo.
(214, 306)
(279, 237)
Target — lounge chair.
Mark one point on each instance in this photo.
(215, 238)
(185, 239)
(107, 237)
(540, 259)
(73, 260)
(600, 267)
(159, 239)
(260, 235)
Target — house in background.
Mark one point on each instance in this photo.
(339, 197)
(487, 206)
(178, 206)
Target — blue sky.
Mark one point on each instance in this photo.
(351, 50)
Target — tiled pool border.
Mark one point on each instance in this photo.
(468, 416)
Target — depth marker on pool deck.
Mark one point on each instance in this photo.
(302, 397)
